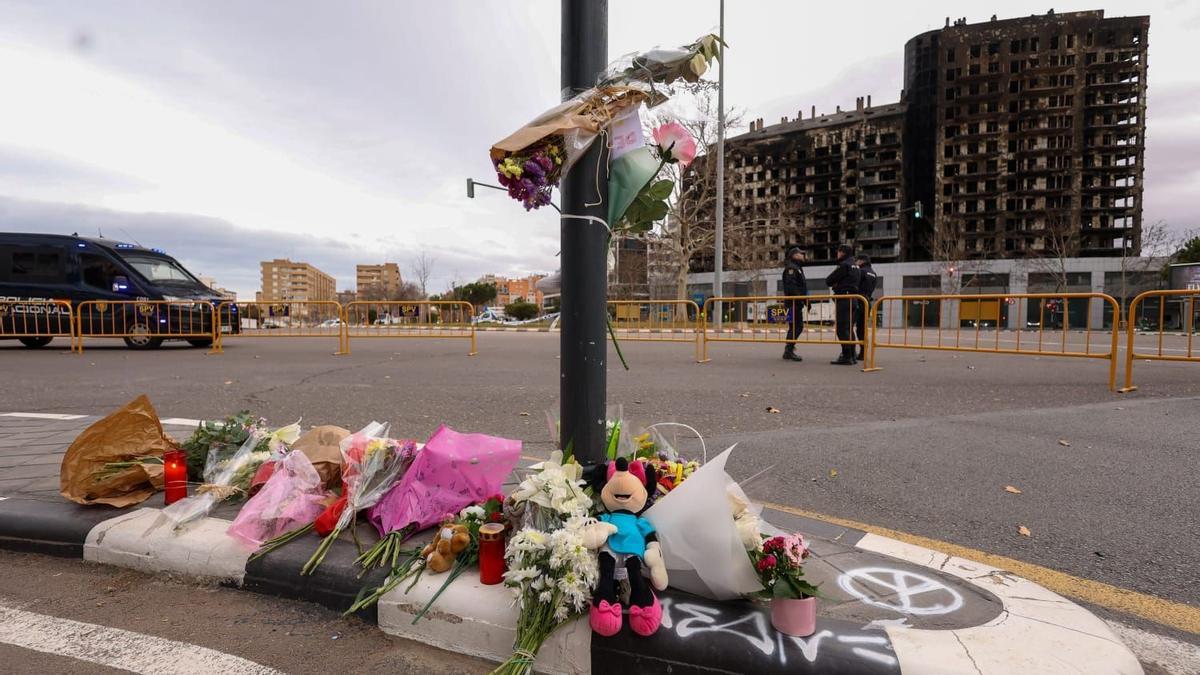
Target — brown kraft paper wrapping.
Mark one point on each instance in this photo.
(131, 432)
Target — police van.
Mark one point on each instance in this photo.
(37, 268)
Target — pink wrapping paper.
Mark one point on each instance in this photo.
(452, 472)
(292, 497)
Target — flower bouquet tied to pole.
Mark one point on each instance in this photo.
(562, 134)
(550, 569)
(372, 464)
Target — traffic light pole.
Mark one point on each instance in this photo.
(584, 242)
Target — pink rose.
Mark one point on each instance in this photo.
(675, 143)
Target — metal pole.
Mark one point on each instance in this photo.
(719, 242)
(583, 341)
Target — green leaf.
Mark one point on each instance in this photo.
(658, 211)
(659, 189)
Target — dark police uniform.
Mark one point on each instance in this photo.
(794, 285)
(844, 281)
(866, 288)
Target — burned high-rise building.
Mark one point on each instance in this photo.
(1026, 134)
(1019, 137)
(818, 182)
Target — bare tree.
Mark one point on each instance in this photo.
(1060, 242)
(422, 269)
(960, 269)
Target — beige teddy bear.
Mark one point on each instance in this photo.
(448, 542)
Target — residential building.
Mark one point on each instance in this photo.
(1018, 137)
(286, 281)
(818, 182)
(509, 290)
(1037, 127)
(381, 280)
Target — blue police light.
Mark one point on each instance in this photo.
(162, 320)
(124, 245)
(159, 250)
(81, 245)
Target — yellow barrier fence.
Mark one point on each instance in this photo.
(144, 324)
(409, 319)
(291, 319)
(36, 322)
(1048, 324)
(656, 321)
(1183, 348)
(765, 319)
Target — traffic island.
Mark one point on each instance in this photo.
(886, 606)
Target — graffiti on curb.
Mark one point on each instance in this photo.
(901, 591)
(753, 627)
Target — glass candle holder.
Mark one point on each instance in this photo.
(174, 476)
(491, 553)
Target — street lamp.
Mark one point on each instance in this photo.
(472, 183)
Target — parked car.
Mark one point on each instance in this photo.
(37, 268)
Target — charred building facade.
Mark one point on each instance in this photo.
(821, 181)
(1036, 127)
(1020, 138)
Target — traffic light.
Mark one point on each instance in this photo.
(917, 210)
(470, 189)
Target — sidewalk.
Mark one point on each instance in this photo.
(890, 606)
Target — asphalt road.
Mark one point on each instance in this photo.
(926, 446)
(288, 636)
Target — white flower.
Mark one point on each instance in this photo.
(474, 512)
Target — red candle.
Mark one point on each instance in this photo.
(491, 553)
(174, 476)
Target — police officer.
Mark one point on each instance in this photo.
(866, 288)
(794, 286)
(844, 281)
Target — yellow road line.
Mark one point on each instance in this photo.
(1160, 611)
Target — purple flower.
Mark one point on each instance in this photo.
(535, 171)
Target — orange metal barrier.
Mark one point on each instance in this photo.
(764, 319)
(1189, 324)
(939, 325)
(656, 321)
(291, 319)
(409, 319)
(145, 323)
(36, 322)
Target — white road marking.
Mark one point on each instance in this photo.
(181, 422)
(44, 416)
(1177, 658)
(116, 648)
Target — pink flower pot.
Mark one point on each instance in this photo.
(794, 617)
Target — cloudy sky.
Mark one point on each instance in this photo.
(229, 132)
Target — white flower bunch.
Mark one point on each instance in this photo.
(555, 488)
(555, 571)
(473, 513)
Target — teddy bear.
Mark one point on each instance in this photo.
(449, 540)
(626, 542)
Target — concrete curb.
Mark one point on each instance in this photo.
(1036, 631)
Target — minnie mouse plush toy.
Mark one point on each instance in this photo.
(627, 542)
